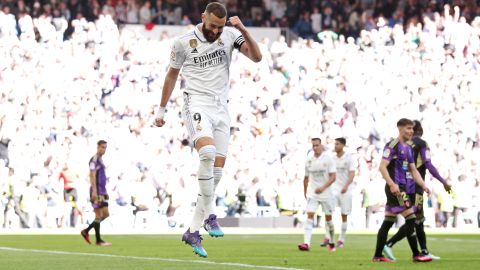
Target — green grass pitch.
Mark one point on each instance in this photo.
(62, 252)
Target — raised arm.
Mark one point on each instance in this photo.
(250, 47)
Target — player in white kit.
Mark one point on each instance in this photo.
(319, 177)
(204, 55)
(342, 190)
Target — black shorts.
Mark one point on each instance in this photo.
(397, 204)
(102, 201)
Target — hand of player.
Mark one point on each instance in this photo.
(318, 190)
(237, 23)
(344, 189)
(427, 190)
(94, 196)
(159, 122)
(447, 187)
(305, 194)
(395, 190)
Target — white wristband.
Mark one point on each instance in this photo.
(161, 112)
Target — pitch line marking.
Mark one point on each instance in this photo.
(58, 252)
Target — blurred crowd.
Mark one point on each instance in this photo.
(59, 96)
(306, 18)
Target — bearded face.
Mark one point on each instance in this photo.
(212, 26)
(210, 35)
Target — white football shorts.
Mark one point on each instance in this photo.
(344, 201)
(207, 116)
(327, 206)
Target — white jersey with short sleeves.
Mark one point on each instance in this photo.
(205, 65)
(317, 170)
(344, 166)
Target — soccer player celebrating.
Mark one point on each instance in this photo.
(341, 188)
(421, 154)
(398, 168)
(98, 194)
(319, 176)
(205, 54)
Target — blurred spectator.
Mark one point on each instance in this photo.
(106, 85)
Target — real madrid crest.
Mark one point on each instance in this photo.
(220, 42)
(193, 43)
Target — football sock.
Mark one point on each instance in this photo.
(217, 175)
(96, 226)
(308, 231)
(327, 232)
(90, 226)
(405, 230)
(383, 234)
(422, 238)
(412, 242)
(344, 231)
(331, 230)
(205, 198)
(205, 182)
(198, 215)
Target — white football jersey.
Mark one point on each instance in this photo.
(317, 170)
(205, 65)
(344, 166)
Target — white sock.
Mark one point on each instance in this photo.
(331, 230)
(206, 198)
(327, 232)
(308, 231)
(197, 220)
(344, 231)
(217, 175)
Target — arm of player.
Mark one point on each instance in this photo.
(93, 184)
(168, 86)
(250, 47)
(425, 154)
(417, 177)
(384, 172)
(305, 186)
(351, 175)
(331, 179)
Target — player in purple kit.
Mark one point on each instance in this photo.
(421, 153)
(398, 168)
(98, 194)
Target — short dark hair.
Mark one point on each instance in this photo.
(404, 122)
(417, 128)
(216, 9)
(101, 142)
(317, 139)
(341, 140)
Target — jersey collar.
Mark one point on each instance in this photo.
(199, 33)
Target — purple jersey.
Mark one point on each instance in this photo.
(400, 156)
(421, 154)
(97, 166)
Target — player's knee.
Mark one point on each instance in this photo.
(207, 154)
(207, 158)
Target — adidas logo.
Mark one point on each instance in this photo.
(194, 50)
